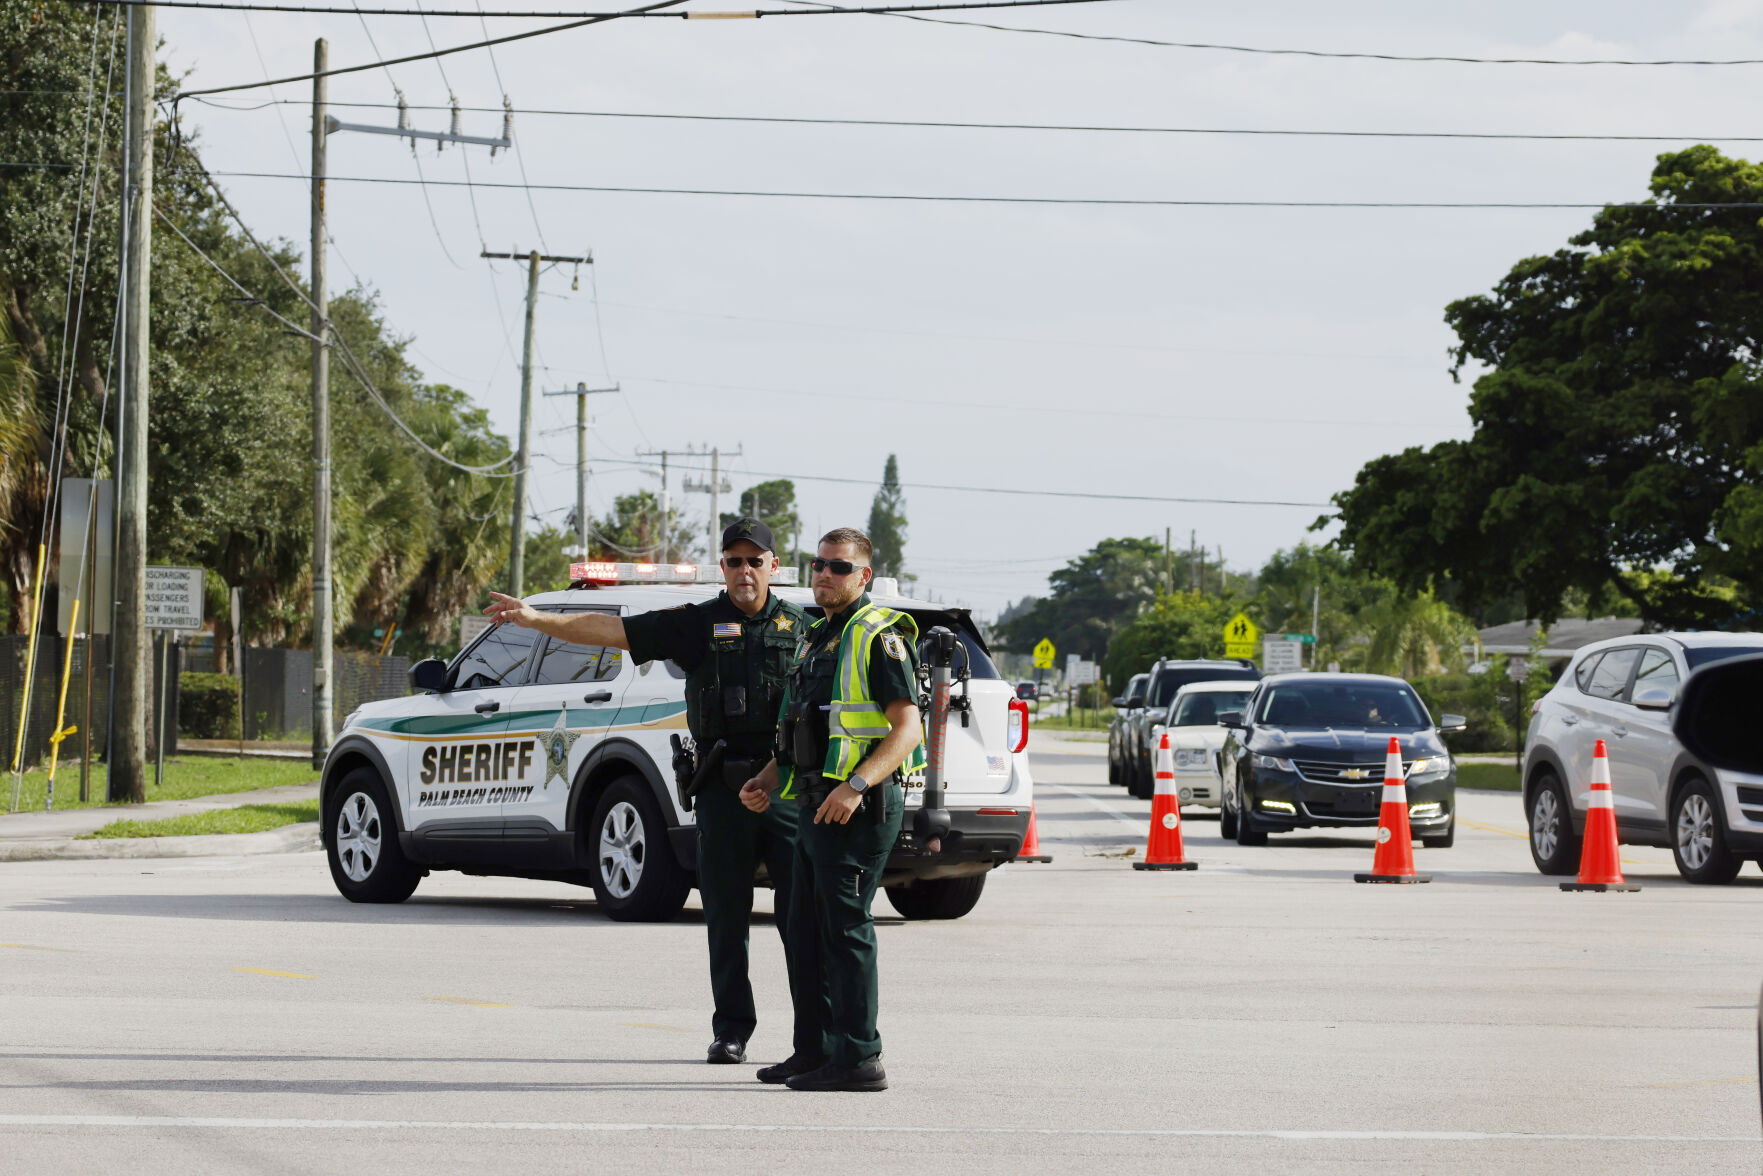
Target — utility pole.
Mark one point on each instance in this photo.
(581, 392)
(128, 770)
(1168, 562)
(717, 485)
(322, 635)
(666, 517)
(523, 458)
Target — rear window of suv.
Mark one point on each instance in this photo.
(1697, 658)
(1171, 680)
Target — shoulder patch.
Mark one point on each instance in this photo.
(893, 646)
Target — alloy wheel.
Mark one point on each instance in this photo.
(1545, 824)
(358, 836)
(623, 848)
(1695, 831)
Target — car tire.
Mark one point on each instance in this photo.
(1246, 833)
(937, 898)
(1698, 836)
(1227, 821)
(630, 862)
(1554, 846)
(1139, 783)
(1443, 840)
(361, 842)
(1113, 768)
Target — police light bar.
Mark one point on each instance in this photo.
(606, 572)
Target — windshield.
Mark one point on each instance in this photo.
(1173, 679)
(1201, 709)
(1381, 705)
(1713, 653)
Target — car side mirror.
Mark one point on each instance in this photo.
(1136, 702)
(1716, 714)
(1231, 719)
(1655, 698)
(1120, 703)
(1449, 724)
(429, 674)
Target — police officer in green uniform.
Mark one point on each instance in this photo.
(848, 740)
(736, 651)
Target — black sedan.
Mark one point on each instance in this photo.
(1308, 750)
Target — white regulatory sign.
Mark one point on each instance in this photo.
(174, 598)
(1279, 656)
(470, 625)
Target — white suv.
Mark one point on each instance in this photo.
(1621, 691)
(525, 756)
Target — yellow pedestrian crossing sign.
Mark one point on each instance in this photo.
(1044, 653)
(1241, 637)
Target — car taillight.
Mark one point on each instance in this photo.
(1536, 707)
(1016, 731)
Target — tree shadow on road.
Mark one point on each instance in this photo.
(448, 910)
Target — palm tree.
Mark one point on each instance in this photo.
(1412, 636)
(23, 475)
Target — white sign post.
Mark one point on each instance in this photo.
(1280, 655)
(470, 625)
(174, 598)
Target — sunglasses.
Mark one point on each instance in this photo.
(751, 561)
(840, 567)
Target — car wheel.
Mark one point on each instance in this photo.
(1554, 846)
(1138, 782)
(937, 898)
(361, 842)
(1246, 832)
(631, 864)
(1697, 840)
(1227, 819)
(1113, 768)
(1442, 840)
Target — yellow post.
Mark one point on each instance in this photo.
(61, 732)
(30, 673)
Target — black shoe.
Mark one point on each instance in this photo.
(726, 1052)
(796, 1063)
(866, 1077)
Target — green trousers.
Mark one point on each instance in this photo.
(838, 868)
(732, 844)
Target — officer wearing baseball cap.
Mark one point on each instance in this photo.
(736, 650)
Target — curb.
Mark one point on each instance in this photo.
(290, 839)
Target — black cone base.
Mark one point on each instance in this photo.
(1392, 878)
(1166, 865)
(1033, 857)
(1600, 886)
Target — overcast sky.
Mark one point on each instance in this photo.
(1189, 352)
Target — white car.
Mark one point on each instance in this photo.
(1195, 736)
(525, 756)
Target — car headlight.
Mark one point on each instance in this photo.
(350, 721)
(1430, 767)
(1274, 762)
(1190, 757)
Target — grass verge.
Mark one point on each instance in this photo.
(185, 777)
(250, 818)
(1500, 777)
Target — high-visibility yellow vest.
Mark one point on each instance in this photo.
(856, 722)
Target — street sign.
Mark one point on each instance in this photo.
(1281, 655)
(173, 598)
(1241, 637)
(1517, 669)
(470, 626)
(1044, 653)
(1081, 673)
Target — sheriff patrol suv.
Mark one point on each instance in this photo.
(525, 756)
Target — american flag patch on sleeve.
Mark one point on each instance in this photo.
(730, 629)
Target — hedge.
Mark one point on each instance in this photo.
(208, 706)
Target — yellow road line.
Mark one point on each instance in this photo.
(466, 1000)
(647, 1025)
(1526, 837)
(36, 947)
(273, 972)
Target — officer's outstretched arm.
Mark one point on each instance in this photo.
(583, 628)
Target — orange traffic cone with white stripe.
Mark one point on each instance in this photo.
(1394, 860)
(1600, 865)
(1163, 850)
(1031, 843)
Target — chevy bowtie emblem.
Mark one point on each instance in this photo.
(1354, 774)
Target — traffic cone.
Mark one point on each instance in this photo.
(1163, 851)
(1031, 843)
(1600, 867)
(1394, 860)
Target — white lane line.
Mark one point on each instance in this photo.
(1139, 828)
(209, 1121)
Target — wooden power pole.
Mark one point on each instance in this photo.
(322, 635)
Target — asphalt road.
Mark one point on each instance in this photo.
(1261, 1014)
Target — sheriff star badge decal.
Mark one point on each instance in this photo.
(557, 742)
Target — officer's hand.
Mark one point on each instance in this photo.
(755, 797)
(837, 808)
(508, 609)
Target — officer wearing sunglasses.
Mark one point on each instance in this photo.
(849, 739)
(736, 650)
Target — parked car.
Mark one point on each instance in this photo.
(1621, 691)
(1195, 736)
(1027, 691)
(1125, 707)
(1309, 751)
(1166, 677)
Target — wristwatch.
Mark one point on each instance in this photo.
(858, 784)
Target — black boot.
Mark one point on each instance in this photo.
(796, 1063)
(726, 1052)
(865, 1077)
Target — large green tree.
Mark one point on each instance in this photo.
(1619, 431)
(774, 504)
(887, 524)
(1180, 624)
(1093, 597)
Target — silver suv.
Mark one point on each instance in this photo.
(1622, 691)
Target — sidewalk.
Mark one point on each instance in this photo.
(39, 836)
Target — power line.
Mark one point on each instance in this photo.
(627, 14)
(1000, 489)
(1110, 201)
(1525, 136)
